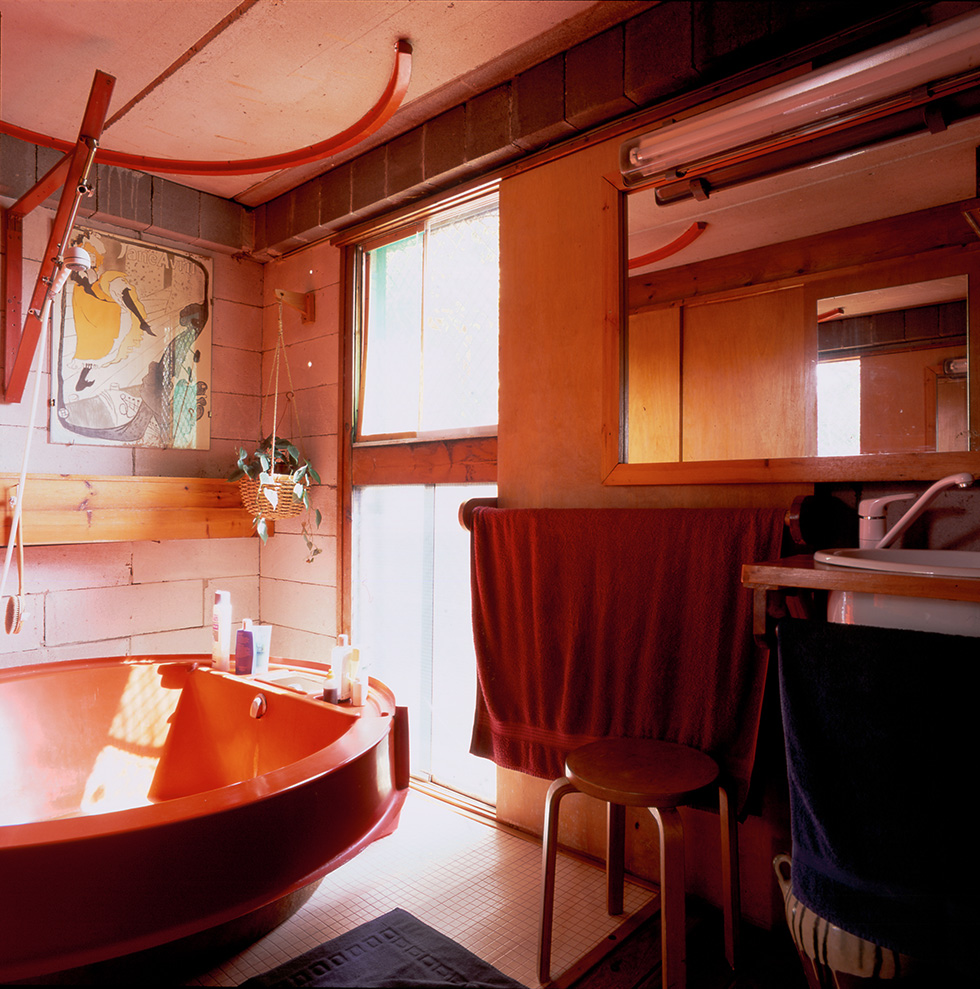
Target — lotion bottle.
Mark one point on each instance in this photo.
(221, 632)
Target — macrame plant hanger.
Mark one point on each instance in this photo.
(275, 498)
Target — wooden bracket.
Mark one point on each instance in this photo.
(303, 301)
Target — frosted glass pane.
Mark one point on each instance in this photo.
(389, 598)
(412, 621)
(453, 655)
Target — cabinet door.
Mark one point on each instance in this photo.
(745, 368)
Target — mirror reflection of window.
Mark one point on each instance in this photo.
(839, 408)
(908, 346)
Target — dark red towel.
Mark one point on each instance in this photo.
(593, 623)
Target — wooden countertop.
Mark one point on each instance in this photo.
(805, 572)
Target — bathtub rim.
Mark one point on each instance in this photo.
(364, 732)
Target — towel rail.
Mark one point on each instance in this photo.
(466, 510)
(798, 515)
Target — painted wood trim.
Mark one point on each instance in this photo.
(61, 509)
(459, 461)
(345, 436)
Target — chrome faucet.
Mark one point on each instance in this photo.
(871, 512)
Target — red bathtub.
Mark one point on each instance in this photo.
(146, 800)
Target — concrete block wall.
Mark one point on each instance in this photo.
(134, 201)
(299, 598)
(155, 597)
(116, 599)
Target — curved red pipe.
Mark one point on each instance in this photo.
(688, 237)
(377, 116)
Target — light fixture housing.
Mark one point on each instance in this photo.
(924, 81)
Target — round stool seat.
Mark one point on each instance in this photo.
(640, 772)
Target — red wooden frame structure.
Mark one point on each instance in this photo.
(72, 173)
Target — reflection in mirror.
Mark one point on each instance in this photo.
(891, 370)
(723, 354)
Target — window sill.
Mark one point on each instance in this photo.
(433, 436)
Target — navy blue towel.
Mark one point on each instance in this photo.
(880, 728)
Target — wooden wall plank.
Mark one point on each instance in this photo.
(62, 509)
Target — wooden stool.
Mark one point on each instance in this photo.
(660, 776)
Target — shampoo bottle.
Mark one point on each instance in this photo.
(244, 649)
(221, 632)
(343, 660)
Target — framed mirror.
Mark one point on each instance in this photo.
(811, 325)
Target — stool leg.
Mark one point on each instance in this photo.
(549, 862)
(615, 857)
(673, 936)
(730, 885)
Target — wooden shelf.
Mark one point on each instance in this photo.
(805, 572)
(62, 508)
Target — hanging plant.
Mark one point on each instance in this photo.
(277, 486)
(275, 478)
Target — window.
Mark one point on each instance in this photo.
(412, 621)
(425, 383)
(428, 328)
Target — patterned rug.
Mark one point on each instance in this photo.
(397, 949)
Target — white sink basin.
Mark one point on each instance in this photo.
(895, 611)
(929, 562)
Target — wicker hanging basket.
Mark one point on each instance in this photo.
(253, 498)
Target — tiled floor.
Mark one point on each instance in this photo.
(475, 883)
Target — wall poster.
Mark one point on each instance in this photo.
(131, 347)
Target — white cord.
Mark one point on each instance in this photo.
(18, 508)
